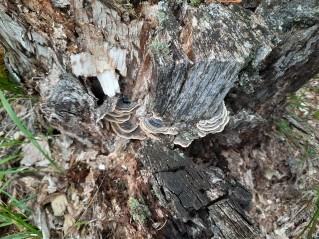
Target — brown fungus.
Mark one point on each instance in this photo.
(220, 113)
(182, 141)
(156, 126)
(114, 114)
(216, 124)
(137, 133)
(120, 119)
(201, 134)
(125, 107)
(213, 127)
(127, 126)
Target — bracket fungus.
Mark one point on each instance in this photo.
(127, 126)
(216, 124)
(125, 107)
(134, 133)
(156, 126)
(182, 141)
(123, 122)
(117, 119)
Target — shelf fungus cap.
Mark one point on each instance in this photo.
(156, 126)
(125, 107)
(182, 141)
(220, 113)
(136, 133)
(127, 126)
(117, 119)
(201, 133)
(214, 125)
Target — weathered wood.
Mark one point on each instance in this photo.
(202, 196)
(178, 63)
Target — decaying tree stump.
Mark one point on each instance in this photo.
(166, 73)
(209, 203)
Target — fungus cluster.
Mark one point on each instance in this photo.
(120, 122)
(156, 126)
(131, 128)
(215, 124)
(212, 126)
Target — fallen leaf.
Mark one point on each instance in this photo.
(68, 223)
(32, 156)
(59, 204)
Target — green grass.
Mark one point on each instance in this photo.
(9, 218)
(6, 142)
(311, 228)
(15, 220)
(9, 85)
(283, 126)
(297, 102)
(295, 139)
(24, 129)
(15, 215)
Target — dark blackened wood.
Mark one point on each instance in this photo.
(198, 196)
(229, 223)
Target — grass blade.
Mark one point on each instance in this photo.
(18, 203)
(5, 224)
(2, 161)
(17, 170)
(5, 142)
(17, 236)
(24, 130)
(18, 220)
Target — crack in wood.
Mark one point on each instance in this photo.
(184, 187)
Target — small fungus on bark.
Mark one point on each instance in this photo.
(156, 126)
(135, 134)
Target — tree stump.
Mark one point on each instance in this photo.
(165, 74)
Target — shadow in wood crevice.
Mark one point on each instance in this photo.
(93, 85)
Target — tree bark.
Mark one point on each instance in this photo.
(165, 75)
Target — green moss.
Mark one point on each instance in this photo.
(158, 47)
(7, 82)
(156, 191)
(139, 211)
(157, 50)
(248, 59)
(195, 3)
(161, 17)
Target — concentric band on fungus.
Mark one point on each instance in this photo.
(120, 119)
(149, 126)
(137, 133)
(127, 126)
(125, 107)
(156, 126)
(184, 142)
